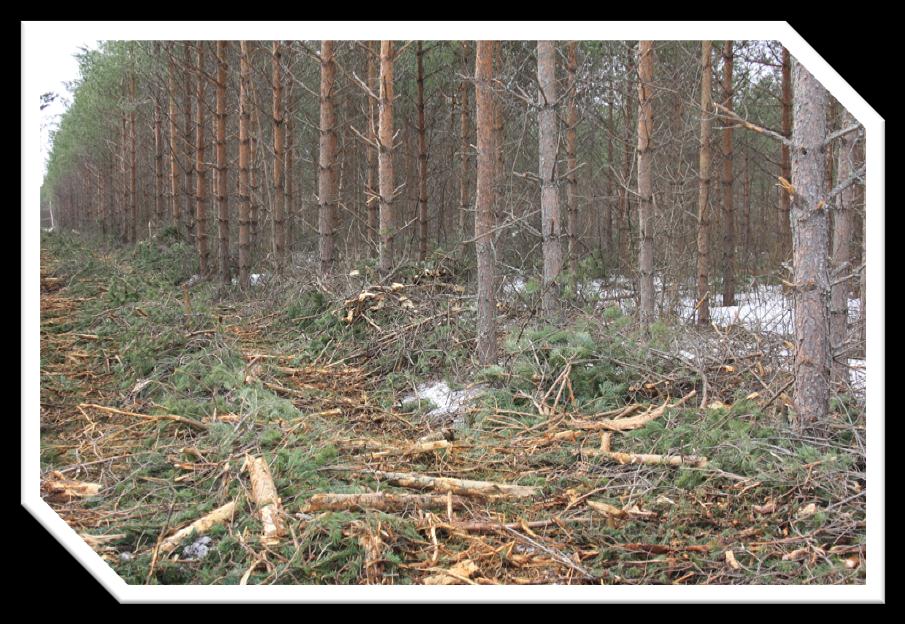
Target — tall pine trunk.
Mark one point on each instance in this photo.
(571, 158)
(703, 314)
(464, 149)
(175, 215)
(843, 231)
(327, 189)
(422, 160)
(548, 144)
(645, 189)
(188, 183)
(133, 195)
(727, 179)
(809, 253)
(222, 196)
(200, 168)
(372, 193)
(785, 166)
(244, 154)
(385, 137)
(279, 218)
(158, 153)
(484, 118)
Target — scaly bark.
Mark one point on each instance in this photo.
(842, 255)
(703, 295)
(327, 189)
(499, 174)
(548, 143)
(158, 153)
(727, 178)
(188, 186)
(279, 218)
(222, 196)
(175, 165)
(486, 334)
(200, 168)
(571, 158)
(244, 153)
(645, 189)
(385, 136)
(809, 253)
(133, 195)
(371, 191)
(422, 159)
(785, 167)
(464, 131)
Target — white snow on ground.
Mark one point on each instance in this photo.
(854, 310)
(857, 371)
(514, 285)
(766, 309)
(688, 355)
(446, 400)
(255, 279)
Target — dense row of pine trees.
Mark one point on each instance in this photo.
(390, 150)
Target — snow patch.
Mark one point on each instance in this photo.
(197, 549)
(255, 279)
(857, 371)
(514, 285)
(446, 400)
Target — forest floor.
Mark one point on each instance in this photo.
(591, 453)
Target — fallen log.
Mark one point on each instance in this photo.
(191, 422)
(265, 497)
(490, 527)
(379, 501)
(415, 449)
(465, 487)
(611, 511)
(632, 422)
(648, 459)
(199, 526)
(58, 488)
(459, 573)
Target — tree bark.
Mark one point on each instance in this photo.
(499, 177)
(486, 334)
(279, 218)
(133, 195)
(175, 215)
(222, 196)
(188, 186)
(645, 192)
(842, 257)
(785, 233)
(371, 191)
(464, 149)
(244, 153)
(548, 144)
(703, 312)
(571, 158)
(158, 153)
(200, 168)
(385, 159)
(422, 160)
(326, 185)
(809, 253)
(727, 179)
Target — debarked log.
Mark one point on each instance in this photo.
(199, 526)
(265, 497)
(465, 487)
(379, 501)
